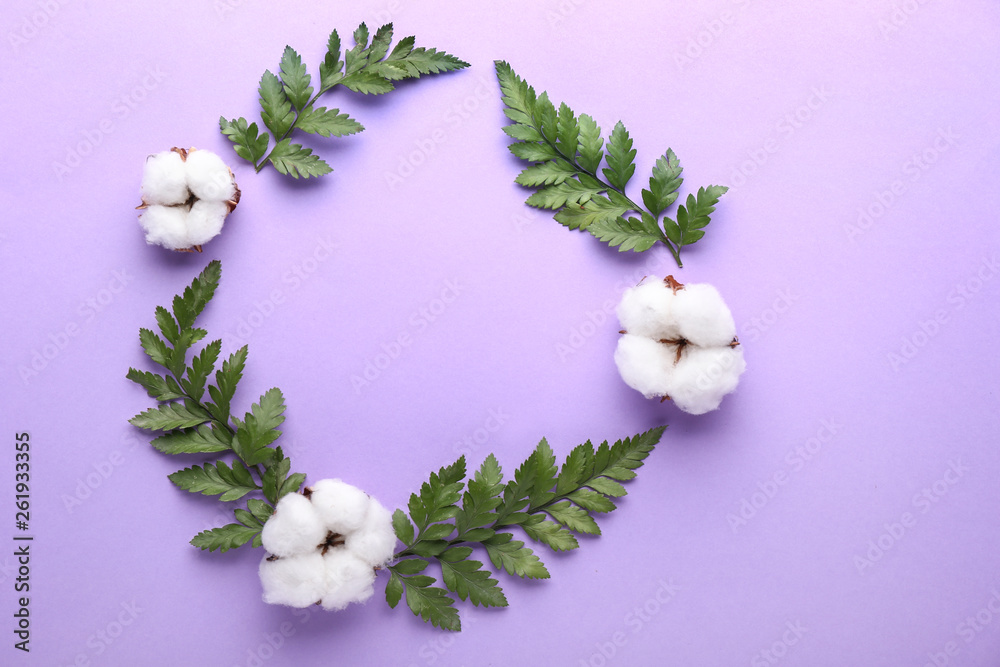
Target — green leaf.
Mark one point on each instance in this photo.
(533, 152)
(514, 557)
(573, 517)
(291, 484)
(155, 347)
(620, 460)
(189, 305)
(402, 49)
(394, 590)
(576, 467)
(167, 324)
(420, 61)
(591, 501)
(516, 94)
(629, 234)
(226, 380)
(663, 184)
(590, 143)
(201, 366)
(331, 69)
(568, 131)
(294, 78)
(225, 538)
(274, 476)
(367, 83)
(402, 527)
(597, 209)
(247, 143)
(260, 510)
(551, 534)
(696, 214)
(470, 582)
(276, 109)
(259, 428)
(162, 388)
(545, 114)
(431, 603)
(216, 480)
(522, 132)
(171, 416)
(410, 566)
(621, 157)
(203, 439)
(548, 173)
(296, 161)
(571, 191)
(327, 122)
(380, 43)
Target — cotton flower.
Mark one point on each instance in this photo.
(186, 196)
(325, 546)
(679, 343)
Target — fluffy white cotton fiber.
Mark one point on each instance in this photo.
(208, 177)
(349, 532)
(646, 310)
(294, 528)
(342, 506)
(702, 316)
(348, 579)
(165, 226)
(297, 581)
(374, 541)
(679, 342)
(187, 195)
(164, 180)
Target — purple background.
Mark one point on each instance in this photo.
(861, 142)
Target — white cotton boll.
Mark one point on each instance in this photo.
(703, 376)
(294, 528)
(296, 581)
(208, 177)
(166, 226)
(702, 317)
(645, 364)
(348, 579)
(342, 507)
(645, 310)
(164, 179)
(375, 541)
(205, 220)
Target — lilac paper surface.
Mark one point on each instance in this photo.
(841, 507)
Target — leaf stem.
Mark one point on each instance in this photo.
(607, 186)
